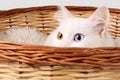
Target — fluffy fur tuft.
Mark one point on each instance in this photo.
(24, 35)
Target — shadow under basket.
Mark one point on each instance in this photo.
(20, 61)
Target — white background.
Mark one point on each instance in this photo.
(9, 4)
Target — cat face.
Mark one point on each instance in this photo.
(81, 32)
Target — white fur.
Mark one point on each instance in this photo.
(117, 42)
(23, 34)
(94, 29)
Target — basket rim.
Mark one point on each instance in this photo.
(47, 55)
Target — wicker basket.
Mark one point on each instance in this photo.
(20, 61)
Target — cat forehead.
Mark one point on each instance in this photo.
(76, 20)
(73, 23)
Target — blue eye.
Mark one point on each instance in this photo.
(78, 37)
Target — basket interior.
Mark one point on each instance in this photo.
(42, 18)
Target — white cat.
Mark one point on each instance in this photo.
(24, 35)
(81, 32)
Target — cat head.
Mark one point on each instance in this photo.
(80, 32)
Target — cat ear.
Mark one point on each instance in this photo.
(100, 18)
(62, 14)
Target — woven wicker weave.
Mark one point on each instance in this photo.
(20, 61)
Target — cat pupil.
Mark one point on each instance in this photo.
(59, 35)
(78, 37)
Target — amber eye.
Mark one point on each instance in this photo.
(78, 37)
(59, 35)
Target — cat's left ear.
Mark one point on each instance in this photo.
(62, 14)
(100, 18)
